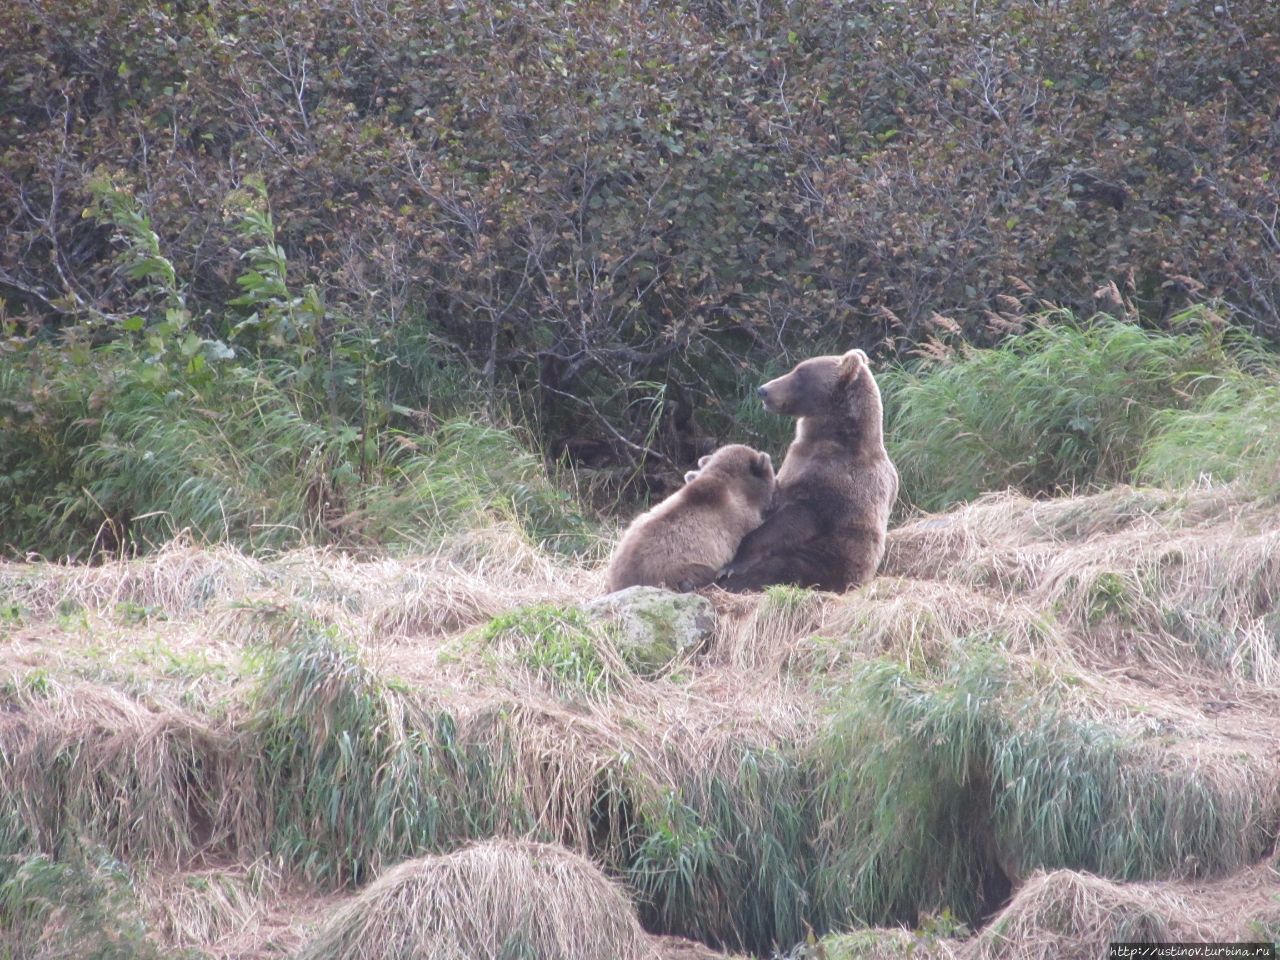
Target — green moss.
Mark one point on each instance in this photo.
(558, 643)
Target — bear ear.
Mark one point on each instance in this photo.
(852, 363)
(703, 461)
(690, 476)
(761, 465)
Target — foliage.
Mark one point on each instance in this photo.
(125, 443)
(1070, 405)
(569, 201)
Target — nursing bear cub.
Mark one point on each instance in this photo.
(686, 541)
(836, 486)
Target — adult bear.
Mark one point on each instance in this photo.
(686, 541)
(836, 486)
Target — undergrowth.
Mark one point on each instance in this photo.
(115, 439)
(1073, 405)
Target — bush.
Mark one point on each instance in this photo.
(604, 240)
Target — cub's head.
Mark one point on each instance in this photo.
(748, 471)
(820, 386)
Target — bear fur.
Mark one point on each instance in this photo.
(686, 541)
(836, 486)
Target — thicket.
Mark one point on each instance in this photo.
(606, 216)
(119, 439)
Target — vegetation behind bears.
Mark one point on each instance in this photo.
(266, 254)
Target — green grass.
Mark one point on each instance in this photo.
(1228, 435)
(351, 773)
(559, 644)
(243, 453)
(931, 788)
(1068, 405)
(77, 906)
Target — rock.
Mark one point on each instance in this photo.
(655, 626)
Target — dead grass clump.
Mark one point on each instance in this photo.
(203, 908)
(1171, 579)
(760, 632)
(179, 578)
(924, 624)
(489, 901)
(470, 579)
(1069, 914)
(150, 781)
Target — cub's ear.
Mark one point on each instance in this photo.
(691, 476)
(702, 461)
(853, 363)
(761, 465)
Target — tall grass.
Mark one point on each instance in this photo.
(243, 453)
(1231, 434)
(935, 794)
(1065, 406)
(351, 773)
(726, 858)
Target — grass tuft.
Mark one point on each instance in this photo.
(500, 900)
(1066, 406)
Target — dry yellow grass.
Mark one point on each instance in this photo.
(488, 901)
(127, 691)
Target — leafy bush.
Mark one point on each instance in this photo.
(521, 191)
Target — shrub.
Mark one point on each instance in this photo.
(499, 186)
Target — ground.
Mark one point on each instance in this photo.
(1046, 725)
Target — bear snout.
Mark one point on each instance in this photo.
(762, 392)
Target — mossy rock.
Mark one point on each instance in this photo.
(655, 626)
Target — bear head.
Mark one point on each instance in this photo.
(748, 471)
(817, 387)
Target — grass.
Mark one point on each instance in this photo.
(500, 900)
(1048, 717)
(79, 906)
(942, 792)
(1228, 436)
(127, 450)
(1073, 405)
(561, 645)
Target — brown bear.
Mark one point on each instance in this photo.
(686, 541)
(836, 486)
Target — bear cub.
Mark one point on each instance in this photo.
(686, 541)
(836, 485)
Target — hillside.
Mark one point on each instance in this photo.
(1051, 723)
